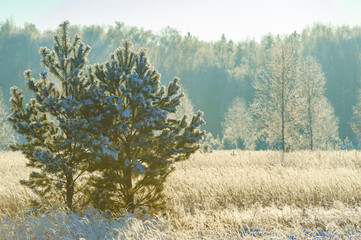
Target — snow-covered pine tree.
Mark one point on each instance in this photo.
(144, 141)
(55, 124)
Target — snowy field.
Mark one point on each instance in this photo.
(219, 195)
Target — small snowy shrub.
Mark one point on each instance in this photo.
(210, 143)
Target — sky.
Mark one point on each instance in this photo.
(205, 19)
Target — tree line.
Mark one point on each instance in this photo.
(223, 76)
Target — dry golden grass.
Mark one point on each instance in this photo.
(13, 197)
(220, 195)
(226, 191)
(223, 180)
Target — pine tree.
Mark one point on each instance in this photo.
(55, 124)
(143, 140)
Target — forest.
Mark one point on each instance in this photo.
(227, 80)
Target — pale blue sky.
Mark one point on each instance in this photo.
(207, 19)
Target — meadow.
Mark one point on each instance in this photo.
(220, 195)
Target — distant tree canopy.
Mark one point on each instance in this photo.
(214, 73)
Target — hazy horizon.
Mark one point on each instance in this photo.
(207, 20)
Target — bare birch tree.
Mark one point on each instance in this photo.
(320, 123)
(277, 94)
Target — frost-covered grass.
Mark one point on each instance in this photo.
(221, 195)
(90, 225)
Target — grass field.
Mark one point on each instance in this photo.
(219, 195)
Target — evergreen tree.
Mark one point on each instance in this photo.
(143, 141)
(55, 124)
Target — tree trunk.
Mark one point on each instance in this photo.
(283, 102)
(69, 189)
(129, 198)
(310, 123)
